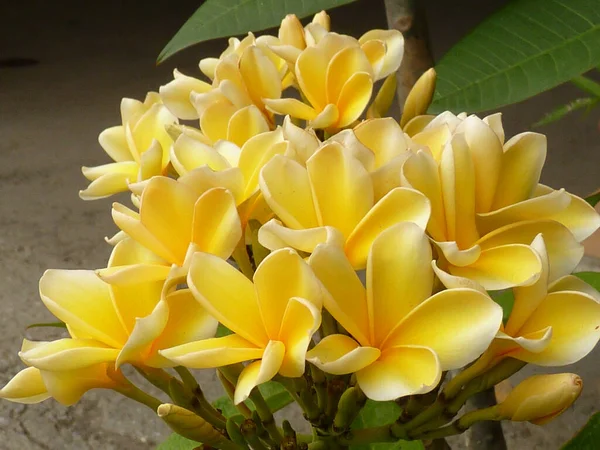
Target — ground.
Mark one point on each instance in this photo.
(91, 54)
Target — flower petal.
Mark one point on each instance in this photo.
(327, 118)
(419, 98)
(227, 295)
(188, 153)
(176, 94)
(273, 235)
(246, 123)
(399, 277)
(292, 107)
(107, 185)
(260, 75)
(339, 354)
(26, 387)
(394, 46)
(68, 354)
(573, 283)
(259, 372)
(113, 142)
(400, 372)
(383, 137)
(214, 121)
(311, 67)
(344, 65)
(354, 98)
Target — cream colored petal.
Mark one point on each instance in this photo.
(435, 139)
(214, 121)
(354, 98)
(344, 296)
(453, 282)
(132, 109)
(456, 256)
(564, 251)
(208, 66)
(80, 299)
(575, 321)
(374, 49)
(417, 124)
(522, 163)
(341, 187)
(282, 275)
(542, 207)
(260, 75)
(203, 178)
(107, 185)
(323, 19)
(113, 142)
(339, 354)
(400, 372)
(246, 123)
(301, 320)
(534, 342)
(176, 95)
(203, 101)
(291, 32)
(68, 354)
(311, 69)
(229, 151)
(305, 142)
(259, 372)
(236, 94)
(399, 205)
(288, 53)
(216, 226)
(399, 277)
(123, 168)
(273, 235)
(292, 107)
(457, 324)
(573, 283)
(419, 98)
(153, 125)
(494, 121)
(188, 153)
(354, 147)
(327, 118)
(389, 176)
(152, 162)
(67, 387)
(394, 49)
(314, 32)
(383, 137)
(26, 387)
(211, 353)
(286, 187)
(227, 295)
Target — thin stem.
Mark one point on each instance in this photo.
(320, 383)
(265, 414)
(157, 377)
(230, 391)
(199, 400)
(328, 324)
(133, 392)
(462, 424)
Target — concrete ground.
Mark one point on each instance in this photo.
(91, 54)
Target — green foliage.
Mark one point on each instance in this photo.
(221, 18)
(177, 442)
(588, 437)
(47, 325)
(591, 278)
(222, 330)
(525, 48)
(580, 103)
(506, 300)
(375, 414)
(593, 199)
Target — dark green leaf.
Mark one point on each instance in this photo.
(506, 300)
(593, 199)
(47, 324)
(563, 110)
(375, 414)
(220, 18)
(177, 442)
(588, 437)
(523, 49)
(222, 330)
(591, 278)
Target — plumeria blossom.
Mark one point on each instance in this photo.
(139, 147)
(332, 200)
(109, 325)
(273, 318)
(401, 337)
(484, 213)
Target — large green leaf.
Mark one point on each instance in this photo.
(591, 278)
(589, 436)
(177, 442)
(220, 18)
(523, 49)
(375, 414)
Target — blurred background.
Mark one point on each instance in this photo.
(64, 67)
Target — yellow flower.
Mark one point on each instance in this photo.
(401, 338)
(273, 319)
(332, 199)
(108, 324)
(541, 398)
(486, 206)
(139, 147)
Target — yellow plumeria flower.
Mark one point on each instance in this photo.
(401, 339)
(139, 147)
(484, 209)
(273, 318)
(109, 324)
(332, 199)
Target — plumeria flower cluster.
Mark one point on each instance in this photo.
(313, 241)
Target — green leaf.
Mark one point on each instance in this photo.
(222, 330)
(177, 442)
(593, 199)
(588, 437)
(506, 300)
(47, 324)
(525, 48)
(563, 110)
(375, 414)
(221, 18)
(591, 278)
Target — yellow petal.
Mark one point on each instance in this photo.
(153, 125)
(400, 372)
(286, 188)
(214, 121)
(575, 321)
(107, 185)
(244, 124)
(374, 49)
(176, 95)
(399, 205)
(503, 267)
(203, 179)
(339, 354)
(388, 176)
(345, 296)
(399, 277)
(522, 163)
(494, 121)
(260, 75)
(229, 151)
(259, 372)
(80, 299)
(305, 142)
(345, 65)
(327, 118)
(152, 162)
(394, 49)
(322, 18)
(292, 107)
(236, 94)
(457, 257)
(227, 295)
(279, 277)
(573, 283)
(417, 124)
(341, 187)
(301, 320)
(314, 33)
(208, 66)
(273, 235)
(123, 168)
(113, 142)
(354, 147)
(457, 324)
(384, 99)
(534, 342)
(215, 352)
(311, 68)
(354, 98)
(291, 32)
(188, 153)
(434, 138)
(26, 387)
(68, 354)
(452, 282)
(216, 227)
(383, 137)
(419, 98)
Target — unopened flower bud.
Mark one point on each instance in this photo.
(541, 398)
(291, 32)
(323, 19)
(188, 424)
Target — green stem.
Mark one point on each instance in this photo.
(462, 424)
(265, 414)
(454, 386)
(328, 324)
(349, 406)
(133, 392)
(199, 401)
(230, 391)
(157, 377)
(320, 383)
(309, 408)
(367, 436)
